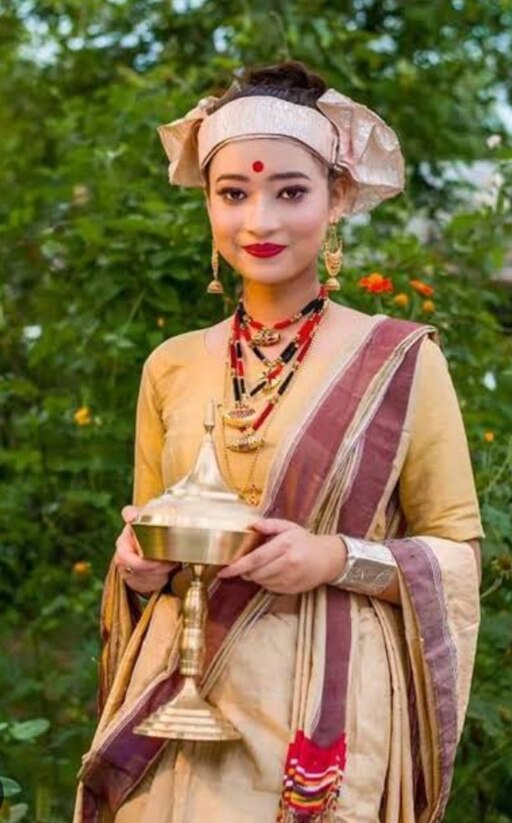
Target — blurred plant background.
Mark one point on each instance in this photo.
(101, 261)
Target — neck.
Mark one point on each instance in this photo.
(269, 303)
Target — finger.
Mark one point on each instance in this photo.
(130, 539)
(143, 585)
(146, 580)
(250, 541)
(277, 585)
(129, 513)
(273, 525)
(125, 560)
(126, 556)
(275, 570)
(130, 569)
(259, 557)
(127, 544)
(139, 566)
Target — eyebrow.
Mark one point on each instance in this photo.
(285, 175)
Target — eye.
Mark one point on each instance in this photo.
(233, 194)
(295, 191)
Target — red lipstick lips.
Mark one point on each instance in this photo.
(264, 249)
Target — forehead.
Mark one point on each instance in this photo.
(276, 154)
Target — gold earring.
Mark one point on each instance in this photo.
(333, 257)
(215, 286)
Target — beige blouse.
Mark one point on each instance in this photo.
(180, 376)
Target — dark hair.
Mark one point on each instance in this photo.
(290, 80)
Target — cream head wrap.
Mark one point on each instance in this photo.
(343, 133)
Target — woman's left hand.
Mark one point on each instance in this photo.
(291, 561)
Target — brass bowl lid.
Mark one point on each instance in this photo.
(197, 512)
(201, 500)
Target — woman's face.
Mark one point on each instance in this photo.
(270, 192)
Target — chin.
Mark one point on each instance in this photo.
(268, 278)
(269, 270)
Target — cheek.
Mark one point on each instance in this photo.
(309, 220)
(225, 222)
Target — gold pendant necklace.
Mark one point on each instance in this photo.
(240, 415)
(266, 337)
(250, 441)
(251, 496)
(271, 383)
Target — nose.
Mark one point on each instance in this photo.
(261, 218)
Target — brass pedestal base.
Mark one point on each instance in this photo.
(188, 717)
(201, 523)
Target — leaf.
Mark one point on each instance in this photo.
(17, 812)
(30, 729)
(8, 788)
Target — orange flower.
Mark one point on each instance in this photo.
(489, 437)
(421, 287)
(160, 322)
(375, 283)
(82, 416)
(401, 300)
(81, 568)
(428, 306)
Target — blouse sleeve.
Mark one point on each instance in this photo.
(149, 441)
(437, 489)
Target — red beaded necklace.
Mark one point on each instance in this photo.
(242, 415)
(269, 335)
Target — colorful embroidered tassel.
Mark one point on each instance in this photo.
(312, 781)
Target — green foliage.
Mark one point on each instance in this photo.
(12, 733)
(101, 261)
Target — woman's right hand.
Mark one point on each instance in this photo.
(141, 575)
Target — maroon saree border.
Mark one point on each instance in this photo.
(380, 447)
(310, 463)
(381, 441)
(422, 575)
(332, 720)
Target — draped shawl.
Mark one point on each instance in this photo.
(337, 473)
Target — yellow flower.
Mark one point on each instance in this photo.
(428, 306)
(81, 568)
(82, 416)
(401, 300)
(160, 322)
(81, 194)
(489, 437)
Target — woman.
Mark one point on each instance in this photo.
(341, 648)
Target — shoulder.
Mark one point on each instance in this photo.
(430, 363)
(402, 329)
(430, 354)
(384, 328)
(434, 392)
(432, 369)
(342, 322)
(173, 353)
(380, 331)
(352, 318)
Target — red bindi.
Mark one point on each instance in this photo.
(257, 165)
